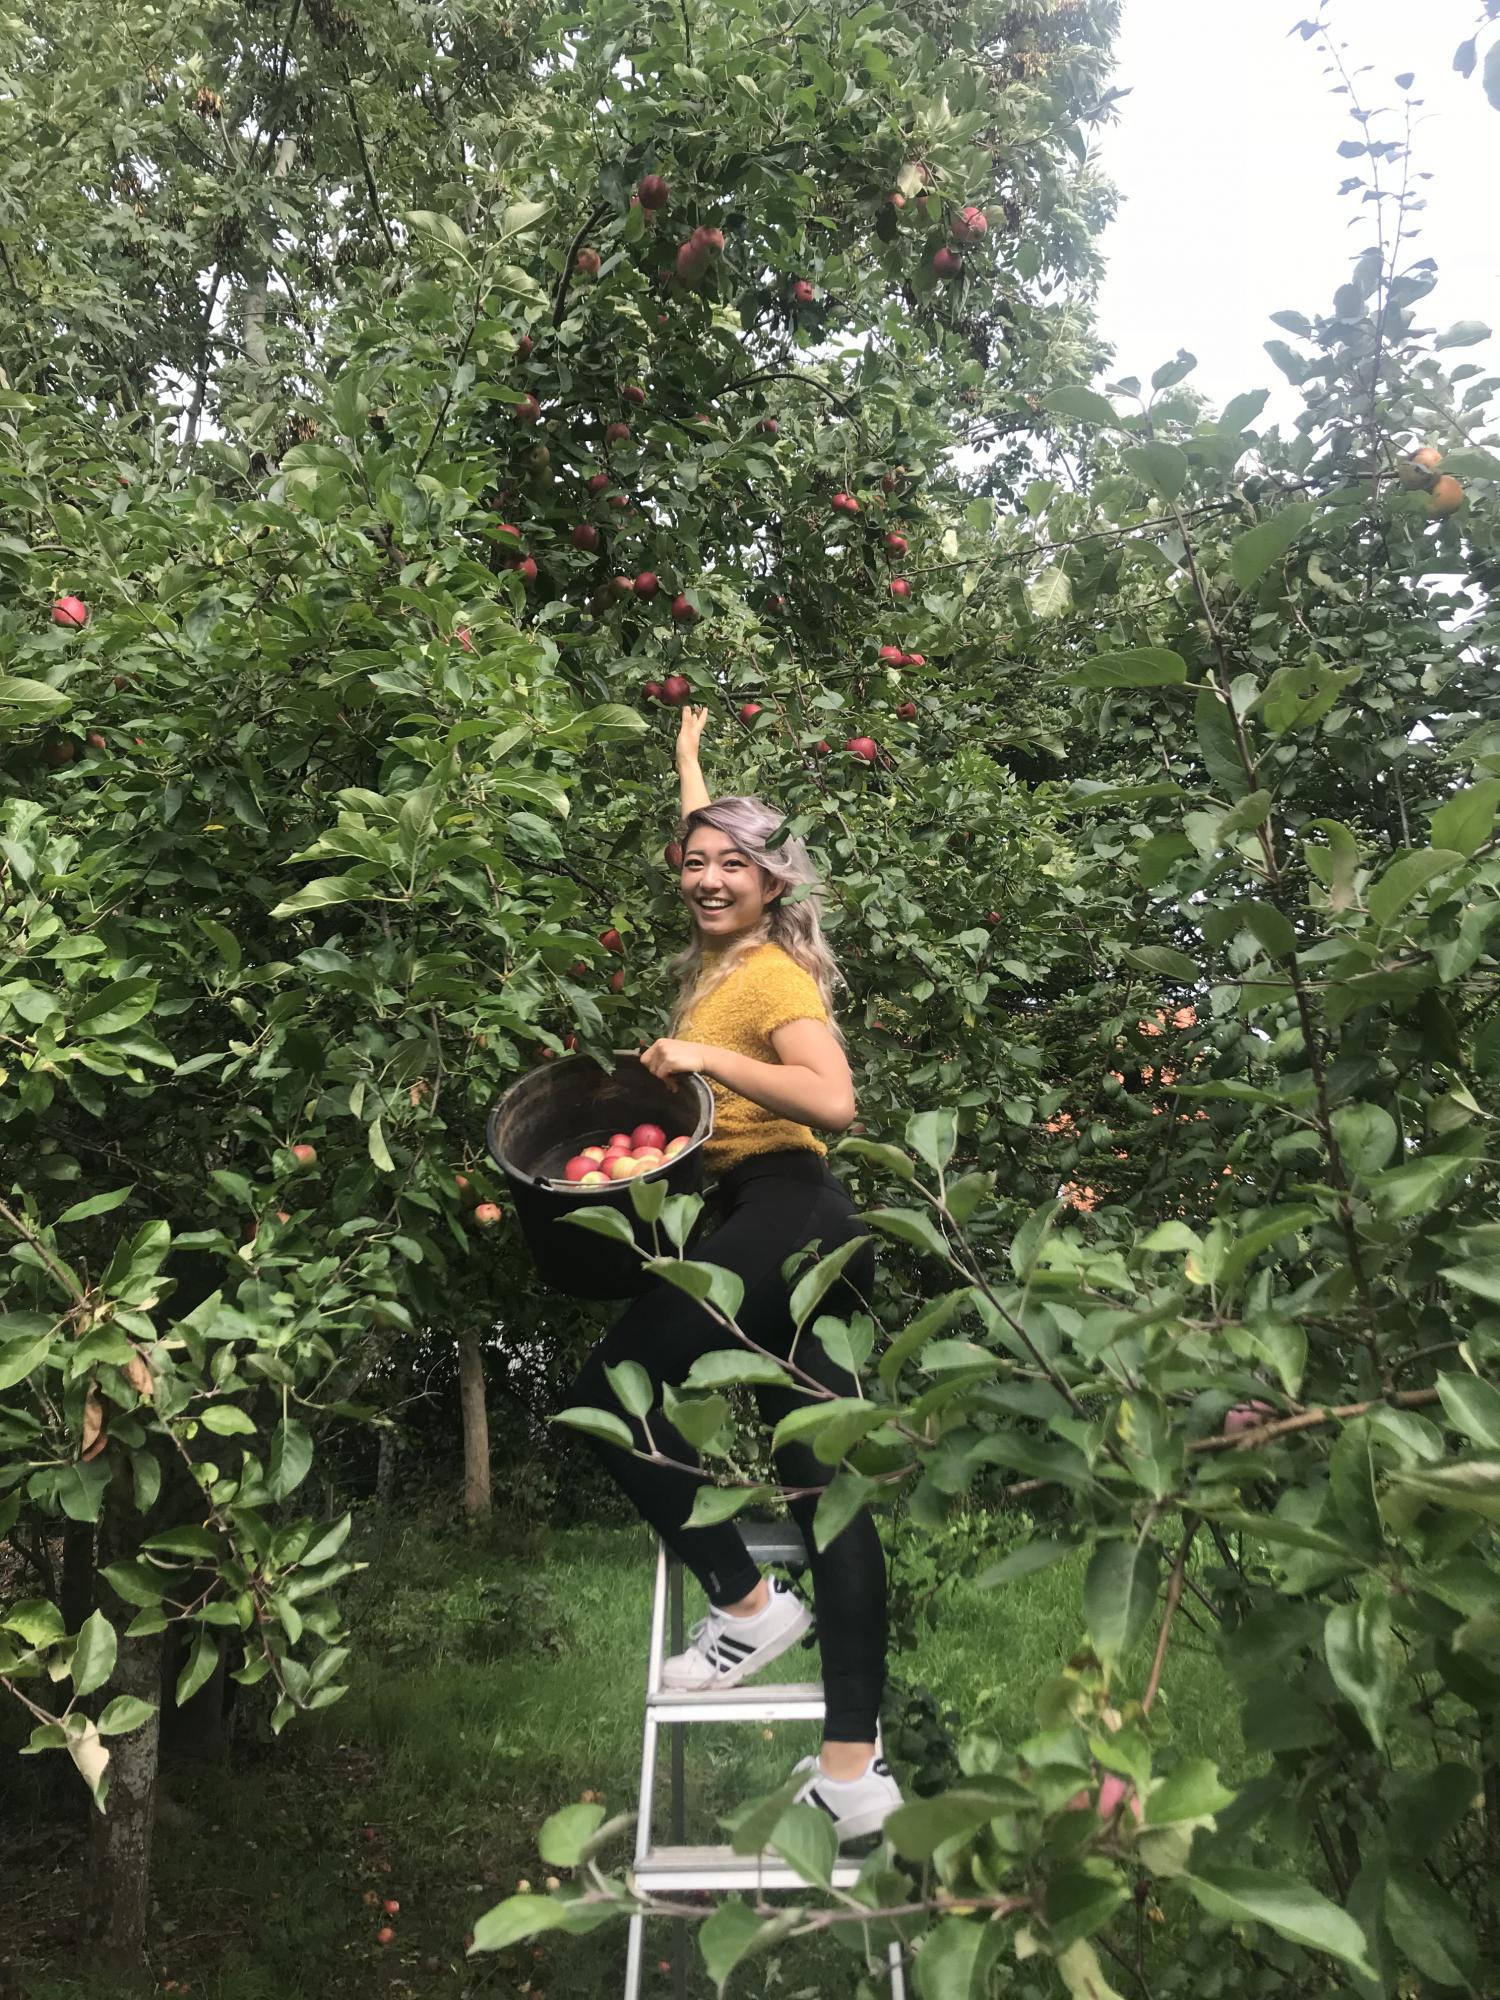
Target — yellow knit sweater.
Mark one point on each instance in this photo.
(765, 991)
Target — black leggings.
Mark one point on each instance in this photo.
(767, 1208)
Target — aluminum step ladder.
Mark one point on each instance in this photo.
(675, 1865)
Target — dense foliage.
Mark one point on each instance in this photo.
(372, 396)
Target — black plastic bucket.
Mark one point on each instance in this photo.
(550, 1115)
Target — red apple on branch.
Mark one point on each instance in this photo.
(587, 262)
(611, 940)
(863, 747)
(892, 656)
(597, 483)
(647, 583)
(616, 433)
(684, 611)
(70, 611)
(895, 545)
(675, 690)
(946, 263)
(969, 225)
(900, 588)
(802, 292)
(488, 1214)
(748, 711)
(527, 411)
(585, 536)
(653, 191)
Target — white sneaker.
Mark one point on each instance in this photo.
(724, 1650)
(857, 1806)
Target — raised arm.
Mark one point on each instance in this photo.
(690, 776)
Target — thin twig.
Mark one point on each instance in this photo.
(1174, 1598)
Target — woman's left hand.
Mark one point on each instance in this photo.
(668, 1058)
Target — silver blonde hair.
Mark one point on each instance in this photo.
(796, 926)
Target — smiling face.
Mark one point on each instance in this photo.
(726, 891)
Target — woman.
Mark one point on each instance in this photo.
(755, 1017)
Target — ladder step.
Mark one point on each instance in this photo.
(780, 1700)
(722, 1868)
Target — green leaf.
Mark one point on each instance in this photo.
(1266, 924)
(603, 1424)
(1086, 405)
(1286, 1905)
(1472, 1407)
(1218, 744)
(520, 215)
(1163, 960)
(1467, 820)
(814, 1285)
(324, 893)
(1049, 593)
(96, 1204)
(1160, 466)
(807, 1840)
(1119, 1592)
(516, 1918)
(1360, 1652)
(125, 1713)
(1464, 332)
(891, 1158)
(1192, 1792)
(203, 1657)
(838, 1504)
(565, 1835)
(116, 1007)
(1253, 553)
(915, 1830)
(93, 1654)
(435, 230)
(932, 1136)
(226, 1420)
(734, 1933)
(1241, 411)
(713, 1504)
(603, 1222)
(1136, 667)
(380, 1152)
(1405, 878)
(632, 1385)
(908, 1225)
(946, 1961)
(1080, 1971)
(1481, 1276)
(1367, 1136)
(728, 1365)
(1024, 1561)
(24, 703)
(1471, 1485)
(722, 1289)
(20, 1358)
(290, 1459)
(1428, 1926)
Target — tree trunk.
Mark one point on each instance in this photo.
(476, 1428)
(120, 1837)
(385, 1470)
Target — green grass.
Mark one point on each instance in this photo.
(490, 1686)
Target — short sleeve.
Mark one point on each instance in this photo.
(784, 992)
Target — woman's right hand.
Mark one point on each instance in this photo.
(690, 734)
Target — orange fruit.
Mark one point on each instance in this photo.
(1446, 496)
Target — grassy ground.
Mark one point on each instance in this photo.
(490, 1687)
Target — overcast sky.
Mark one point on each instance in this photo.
(1225, 159)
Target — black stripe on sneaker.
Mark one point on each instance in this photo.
(816, 1798)
(735, 1648)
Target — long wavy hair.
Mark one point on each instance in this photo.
(796, 926)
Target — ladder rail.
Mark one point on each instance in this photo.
(681, 1866)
